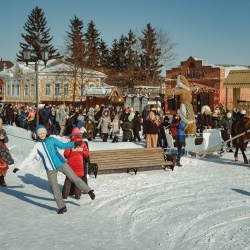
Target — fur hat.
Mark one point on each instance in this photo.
(40, 129)
(205, 107)
(243, 112)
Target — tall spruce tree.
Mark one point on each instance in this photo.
(37, 37)
(75, 47)
(115, 56)
(104, 56)
(150, 57)
(132, 59)
(92, 46)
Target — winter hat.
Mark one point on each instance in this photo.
(130, 117)
(40, 129)
(160, 112)
(243, 112)
(229, 115)
(137, 112)
(205, 107)
(76, 131)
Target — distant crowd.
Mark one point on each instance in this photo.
(107, 122)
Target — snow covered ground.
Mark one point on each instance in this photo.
(202, 205)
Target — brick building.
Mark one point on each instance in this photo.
(209, 77)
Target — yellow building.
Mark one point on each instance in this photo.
(56, 82)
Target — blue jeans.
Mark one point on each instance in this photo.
(181, 152)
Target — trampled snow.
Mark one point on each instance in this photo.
(202, 205)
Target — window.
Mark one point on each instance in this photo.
(66, 89)
(18, 89)
(57, 89)
(8, 89)
(32, 89)
(12, 89)
(48, 90)
(26, 90)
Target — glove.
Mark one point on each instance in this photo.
(15, 170)
(78, 143)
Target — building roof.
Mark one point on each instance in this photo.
(237, 79)
(53, 66)
(5, 65)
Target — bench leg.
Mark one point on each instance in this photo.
(93, 168)
(135, 170)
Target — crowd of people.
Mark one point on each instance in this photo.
(104, 121)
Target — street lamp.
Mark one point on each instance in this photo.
(45, 57)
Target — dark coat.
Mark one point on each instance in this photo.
(151, 127)
(204, 121)
(226, 125)
(9, 113)
(215, 121)
(137, 123)
(45, 113)
(145, 114)
(127, 130)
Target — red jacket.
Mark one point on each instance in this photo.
(76, 155)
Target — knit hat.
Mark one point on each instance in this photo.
(76, 131)
(40, 129)
(130, 117)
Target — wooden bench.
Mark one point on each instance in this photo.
(130, 159)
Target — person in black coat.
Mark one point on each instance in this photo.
(137, 126)
(145, 113)
(205, 119)
(45, 113)
(9, 114)
(165, 125)
(226, 124)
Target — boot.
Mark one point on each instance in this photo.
(62, 210)
(179, 164)
(116, 139)
(91, 194)
(2, 182)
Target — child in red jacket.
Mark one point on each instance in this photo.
(75, 158)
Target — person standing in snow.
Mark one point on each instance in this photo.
(5, 157)
(46, 148)
(104, 123)
(180, 142)
(127, 129)
(150, 130)
(137, 126)
(76, 162)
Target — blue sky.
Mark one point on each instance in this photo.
(217, 31)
